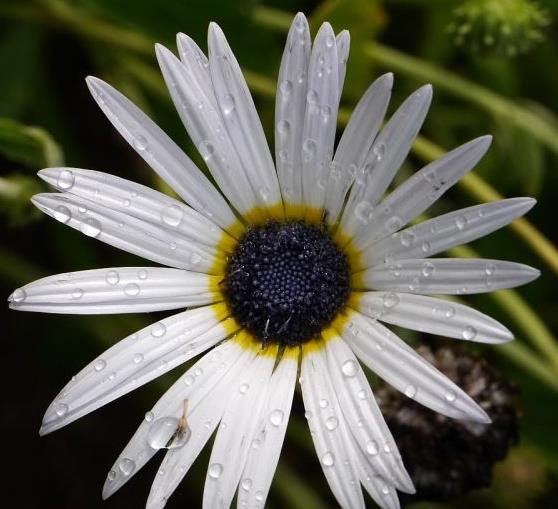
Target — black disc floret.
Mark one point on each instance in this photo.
(285, 282)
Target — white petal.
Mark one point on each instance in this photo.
(382, 491)
(116, 290)
(237, 432)
(266, 446)
(421, 190)
(384, 159)
(436, 316)
(134, 361)
(334, 447)
(204, 388)
(343, 40)
(457, 276)
(444, 232)
(290, 106)
(363, 416)
(197, 108)
(399, 365)
(135, 200)
(161, 153)
(128, 233)
(355, 143)
(322, 103)
(195, 62)
(241, 118)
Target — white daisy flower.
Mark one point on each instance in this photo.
(285, 266)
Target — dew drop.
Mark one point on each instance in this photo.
(349, 368)
(332, 423)
(243, 389)
(90, 227)
(372, 447)
(132, 289)
(172, 215)
(66, 179)
(410, 391)
(167, 433)
(393, 224)
(111, 475)
(246, 484)
(283, 127)
(158, 330)
(450, 312)
(385, 489)
(461, 222)
(149, 416)
(407, 238)
(309, 148)
(390, 300)
(364, 211)
(206, 149)
(138, 358)
(189, 380)
(330, 41)
(195, 258)
(328, 459)
(139, 142)
(427, 269)
(228, 104)
(276, 417)
(142, 274)
(61, 409)
(312, 97)
(379, 151)
(326, 113)
(19, 295)
(77, 294)
(100, 364)
(490, 269)
(112, 277)
(286, 89)
(62, 214)
(259, 496)
(126, 466)
(215, 470)
(450, 396)
(323, 403)
(469, 333)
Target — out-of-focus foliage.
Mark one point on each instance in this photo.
(47, 47)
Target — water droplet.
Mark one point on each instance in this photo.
(385, 489)
(323, 403)
(66, 179)
(326, 113)
(393, 224)
(172, 215)
(77, 294)
(127, 202)
(228, 104)
(407, 238)
(82, 209)
(138, 358)
(158, 330)
(195, 258)
(361, 394)
(246, 484)
(18, 295)
(328, 459)
(427, 269)
(450, 312)
(450, 396)
(395, 270)
(390, 299)
(286, 89)
(372, 447)
(215, 470)
(332, 423)
(425, 247)
(149, 416)
(167, 433)
(469, 333)
(410, 391)
(330, 41)
(309, 148)
(100, 364)
(62, 214)
(490, 269)
(206, 149)
(126, 466)
(312, 97)
(61, 409)
(142, 274)
(308, 415)
(379, 151)
(283, 127)
(140, 142)
(364, 212)
(349, 368)
(112, 277)
(243, 388)
(260, 496)
(189, 380)
(461, 222)
(111, 475)
(90, 227)
(132, 289)
(276, 417)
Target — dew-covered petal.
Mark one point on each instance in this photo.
(136, 360)
(115, 290)
(135, 200)
(241, 118)
(237, 431)
(454, 276)
(444, 232)
(355, 143)
(384, 159)
(150, 241)
(265, 449)
(333, 446)
(202, 390)
(399, 365)
(195, 61)
(290, 107)
(161, 153)
(320, 120)
(436, 316)
(197, 108)
(363, 416)
(421, 190)
(343, 40)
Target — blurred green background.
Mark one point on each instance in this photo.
(494, 67)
